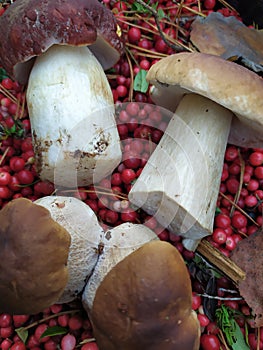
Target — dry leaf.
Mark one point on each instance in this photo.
(248, 255)
(229, 38)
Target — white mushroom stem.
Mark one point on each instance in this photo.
(71, 110)
(119, 242)
(86, 235)
(180, 182)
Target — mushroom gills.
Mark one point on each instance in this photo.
(71, 111)
(180, 182)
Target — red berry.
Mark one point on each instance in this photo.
(5, 320)
(256, 158)
(222, 221)
(209, 342)
(238, 221)
(134, 35)
(128, 175)
(25, 177)
(68, 342)
(219, 236)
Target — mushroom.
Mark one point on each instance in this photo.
(139, 297)
(34, 252)
(180, 182)
(86, 236)
(69, 99)
(49, 248)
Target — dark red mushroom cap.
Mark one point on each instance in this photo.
(30, 27)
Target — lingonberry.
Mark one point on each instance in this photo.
(252, 185)
(25, 177)
(256, 158)
(128, 175)
(203, 320)
(19, 345)
(219, 236)
(209, 342)
(75, 322)
(68, 342)
(134, 35)
(238, 221)
(5, 178)
(222, 221)
(89, 346)
(5, 320)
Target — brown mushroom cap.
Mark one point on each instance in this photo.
(226, 83)
(34, 251)
(144, 303)
(32, 26)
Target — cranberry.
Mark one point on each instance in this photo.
(75, 322)
(68, 342)
(19, 345)
(134, 35)
(209, 342)
(222, 221)
(25, 177)
(5, 178)
(7, 83)
(259, 172)
(128, 175)
(196, 301)
(203, 319)
(256, 158)
(89, 346)
(219, 236)
(238, 221)
(5, 320)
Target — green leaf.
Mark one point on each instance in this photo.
(161, 13)
(140, 83)
(217, 211)
(56, 330)
(3, 74)
(240, 343)
(230, 328)
(22, 333)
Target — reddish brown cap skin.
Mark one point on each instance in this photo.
(144, 303)
(34, 252)
(30, 27)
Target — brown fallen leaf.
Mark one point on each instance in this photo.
(248, 255)
(229, 38)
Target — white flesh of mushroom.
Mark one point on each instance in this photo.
(86, 235)
(71, 111)
(119, 242)
(180, 182)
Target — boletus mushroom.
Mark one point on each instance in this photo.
(49, 248)
(139, 295)
(52, 46)
(180, 182)
(34, 253)
(86, 236)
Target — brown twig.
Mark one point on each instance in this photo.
(176, 48)
(219, 260)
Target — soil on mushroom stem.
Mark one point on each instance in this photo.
(140, 125)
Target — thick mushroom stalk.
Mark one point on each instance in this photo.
(71, 110)
(142, 298)
(180, 182)
(86, 235)
(189, 158)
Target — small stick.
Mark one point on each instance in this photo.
(219, 260)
